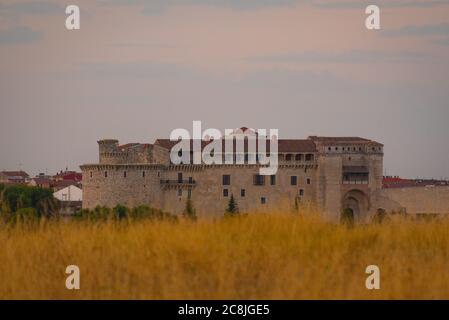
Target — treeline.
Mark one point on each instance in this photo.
(25, 203)
(122, 213)
(20, 201)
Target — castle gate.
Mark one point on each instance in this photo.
(355, 204)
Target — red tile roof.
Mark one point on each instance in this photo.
(284, 145)
(42, 181)
(296, 145)
(22, 174)
(397, 182)
(128, 145)
(69, 175)
(343, 140)
(58, 185)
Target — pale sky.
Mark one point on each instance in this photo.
(138, 69)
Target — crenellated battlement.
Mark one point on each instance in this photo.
(333, 173)
(110, 152)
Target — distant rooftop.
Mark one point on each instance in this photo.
(397, 182)
(21, 174)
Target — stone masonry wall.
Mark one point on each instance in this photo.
(420, 199)
(207, 192)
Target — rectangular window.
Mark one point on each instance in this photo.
(91, 174)
(105, 174)
(301, 192)
(190, 180)
(226, 180)
(273, 180)
(309, 181)
(242, 193)
(293, 180)
(225, 192)
(124, 174)
(263, 200)
(309, 157)
(259, 180)
(143, 174)
(179, 177)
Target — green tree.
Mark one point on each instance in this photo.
(120, 212)
(380, 216)
(3, 207)
(100, 213)
(189, 211)
(22, 197)
(25, 215)
(232, 208)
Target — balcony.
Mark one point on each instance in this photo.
(177, 184)
(355, 181)
(355, 175)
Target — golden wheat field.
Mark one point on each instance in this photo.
(259, 256)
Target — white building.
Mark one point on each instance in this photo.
(70, 193)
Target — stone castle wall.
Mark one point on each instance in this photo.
(208, 196)
(107, 185)
(418, 200)
(141, 174)
(330, 172)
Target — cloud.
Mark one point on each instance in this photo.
(441, 41)
(158, 6)
(412, 30)
(32, 8)
(349, 57)
(19, 35)
(143, 45)
(381, 3)
(134, 70)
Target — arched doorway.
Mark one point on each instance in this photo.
(347, 216)
(355, 206)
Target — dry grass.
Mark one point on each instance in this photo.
(276, 256)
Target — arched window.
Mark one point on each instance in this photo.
(288, 157)
(298, 157)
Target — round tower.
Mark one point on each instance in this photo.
(106, 147)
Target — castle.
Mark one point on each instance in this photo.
(332, 173)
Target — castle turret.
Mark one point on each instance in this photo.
(107, 147)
